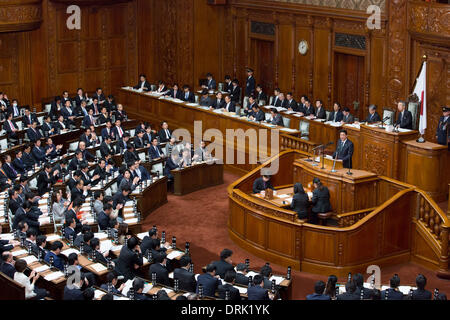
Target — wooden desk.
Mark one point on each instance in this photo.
(152, 197)
(197, 177)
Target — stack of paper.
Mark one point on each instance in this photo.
(44, 220)
(7, 236)
(130, 221)
(53, 237)
(105, 246)
(42, 268)
(19, 253)
(54, 275)
(147, 287)
(98, 267)
(277, 279)
(241, 289)
(142, 235)
(127, 287)
(174, 254)
(100, 235)
(30, 259)
(252, 274)
(98, 294)
(67, 252)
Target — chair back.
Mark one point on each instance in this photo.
(389, 113)
(413, 107)
(286, 122)
(304, 128)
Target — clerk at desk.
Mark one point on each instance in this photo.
(344, 150)
(261, 184)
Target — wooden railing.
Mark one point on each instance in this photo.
(436, 223)
(350, 218)
(291, 142)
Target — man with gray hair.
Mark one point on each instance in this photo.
(404, 119)
(373, 115)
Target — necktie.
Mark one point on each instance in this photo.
(13, 129)
(157, 151)
(16, 112)
(14, 171)
(92, 120)
(167, 134)
(120, 132)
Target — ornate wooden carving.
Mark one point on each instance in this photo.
(350, 41)
(264, 28)
(346, 4)
(20, 15)
(375, 158)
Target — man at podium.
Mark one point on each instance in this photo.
(261, 184)
(344, 149)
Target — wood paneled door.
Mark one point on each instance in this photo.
(262, 61)
(349, 82)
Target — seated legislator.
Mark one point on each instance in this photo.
(256, 114)
(373, 115)
(257, 291)
(344, 149)
(120, 113)
(154, 152)
(186, 279)
(219, 102)
(320, 110)
(318, 294)
(205, 100)
(300, 201)
(261, 184)
(291, 104)
(162, 87)
(172, 163)
(28, 118)
(229, 105)
(404, 119)
(349, 293)
(188, 96)
(160, 269)
(33, 132)
(228, 284)
(142, 84)
(347, 118)
(274, 100)
(320, 199)
(224, 264)
(130, 259)
(308, 109)
(165, 133)
(421, 293)
(210, 82)
(276, 119)
(260, 95)
(336, 115)
(209, 281)
(392, 293)
(10, 127)
(175, 92)
(186, 159)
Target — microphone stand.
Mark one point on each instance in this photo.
(334, 164)
(314, 159)
(349, 172)
(323, 157)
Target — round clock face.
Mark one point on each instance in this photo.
(303, 47)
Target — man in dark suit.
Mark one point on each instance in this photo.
(159, 267)
(235, 93)
(70, 214)
(47, 127)
(229, 280)
(421, 293)
(186, 279)
(275, 100)
(260, 95)
(165, 133)
(228, 84)
(320, 110)
(256, 114)
(229, 105)
(154, 152)
(139, 139)
(404, 119)
(130, 259)
(10, 127)
(241, 271)
(28, 158)
(68, 113)
(99, 96)
(103, 117)
(60, 124)
(349, 293)
(250, 84)
(336, 115)
(28, 118)
(308, 109)
(45, 180)
(320, 199)
(89, 120)
(11, 173)
(443, 128)
(392, 293)
(290, 103)
(209, 281)
(344, 149)
(107, 130)
(219, 102)
(14, 200)
(367, 293)
(74, 293)
(130, 154)
(348, 117)
(18, 163)
(373, 115)
(39, 153)
(118, 132)
(33, 133)
(172, 163)
(143, 83)
(261, 184)
(188, 96)
(14, 109)
(257, 291)
(7, 266)
(224, 264)
(104, 219)
(69, 230)
(106, 147)
(120, 114)
(51, 150)
(319, 289)
(210, 82)
(277, 119)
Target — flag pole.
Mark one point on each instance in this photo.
(421, 138)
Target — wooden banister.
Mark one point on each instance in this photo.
(349, 218)
(291, 142)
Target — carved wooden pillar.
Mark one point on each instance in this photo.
(20, 15)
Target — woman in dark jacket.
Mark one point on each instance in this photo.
(300, 201)
(320, 199)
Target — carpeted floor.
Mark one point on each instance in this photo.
(201, 218)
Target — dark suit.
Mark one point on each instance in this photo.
(162, 275)
(70, 214)
(153, 152)
(106, 149)
(163, 135)
(9, 130)
(39, 154)
(27, 120)
(69, 233)
(345, 153)
(209, 283)
(176, 95)
(139, 142)
(258, 116)
(105, 133)
(421, 295)
(129, 156)
(33, 135)
(321, 114)
(367, 293)
(404, 122)
(103, 220)
(231, 107)
(145, 87)
(261, 96)
(19, 165)
(44, 182)
(392, 294)
(300, 203)
(348, 296)
(186, 279)
(222, 267)
(339, 116)
(348, 119)
(291, 104)
(257, 293)
(321, 200)
(188, 97)
(216, 104)
(241, 279)
(309, 111)
(250, 86)
(373, 117)
(11, 173)
(170, 165)
(316, 296)
(28, 160)
(235, 94)
(234, 292)
(443, 130)
(8, 269)
(120, 115)
(14, 205)
(211, 84)
(46, 127)
(277, 120)
(87, 122)
(126, 261)
(260, 185)
(72, 294)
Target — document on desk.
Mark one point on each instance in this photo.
(142, 235)
(147, 287)
(283, 196)
(277, 279)
(128, 203)
(130, 221)
(67, 252)
(171, 275)
(54, 275)
(53, 237)
(98, 267)
(19, 252)
(116, 248)
(100, 235)
(192, 104)
(7, 236)
(404, 130)
(45, 220)
(241, 289)
(251, 273)
(127, 287)
(288, 130)
(167, 290)
(98, 294)
(105, 246)
(42, 268)
(174, 254)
